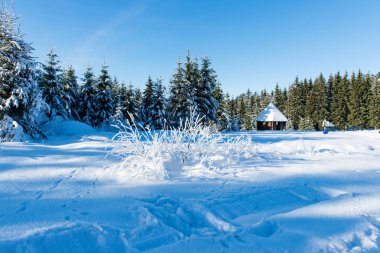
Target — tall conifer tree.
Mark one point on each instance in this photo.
(70, 86)
(87, 98)
(340, 101)
(20, 97)
(104, 107)
(374, 104)
(52, 89)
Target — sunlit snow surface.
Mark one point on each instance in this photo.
(302, 192)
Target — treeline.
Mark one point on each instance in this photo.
(32, 94)
(347, 101)
(101, 101)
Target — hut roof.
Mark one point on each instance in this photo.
(271, 113)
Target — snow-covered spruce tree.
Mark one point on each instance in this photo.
(87, 97)
(118, 115)
(121, 110)
(253, 109)
(294, 103)
(329, 87)
(53, 93)
(157, 109)
(104, 105)
(355, 99)
(265, 99)
(278, 98)
(256, 105)
(359, 100)
(307, 86)
(115, 91)
(205, 103)
(191, 76)
(243, 115)
(289, 125)
(234, 123)
(285, 101)
(306, 124)
(20, 98)
(365, 108)
(221, 116)
(374, 103)
(177, 100)
(297, 96)
(147, 103)
(340, 101)
(317, 102)
(138, 101)
(129, 103)
(71, 87)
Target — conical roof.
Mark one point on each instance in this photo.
(271, 113)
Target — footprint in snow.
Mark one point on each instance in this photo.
(39, 194)
(23, 206)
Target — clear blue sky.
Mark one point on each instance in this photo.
(253, 44)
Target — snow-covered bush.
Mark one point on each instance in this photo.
(10, 130)
(142, 152)
(146, 155)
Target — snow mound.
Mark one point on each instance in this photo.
(55, 238)
(11, 130)
(138, 169)
(60, 127)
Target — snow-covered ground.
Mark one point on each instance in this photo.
(302, 192)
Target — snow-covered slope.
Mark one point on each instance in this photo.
(302, 192)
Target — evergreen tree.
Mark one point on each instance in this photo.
(20, 98)
(70, 86)
(191, 79)
(122, 108)
(365, 105)
(243, 116)
(256, 108)
(157, 107)
(130, 105)
(317, 103)
(359, 100)
(87, 95)
(295, 107)
(265, 99)
(147, 102)
(104, 106)
(138, 101)
(305, 124)
(177, 100)
(289, 125)
(340, 101)
(278, 98)
(329, 88)
(285, 101)
(52, 89)
(221, 109)
(234, 124)
(205, 102)
(374, 104)
(115, 91)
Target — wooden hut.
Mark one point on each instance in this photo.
(271, 119)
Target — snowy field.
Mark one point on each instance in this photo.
(301, 192)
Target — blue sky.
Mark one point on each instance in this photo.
(252, 44)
